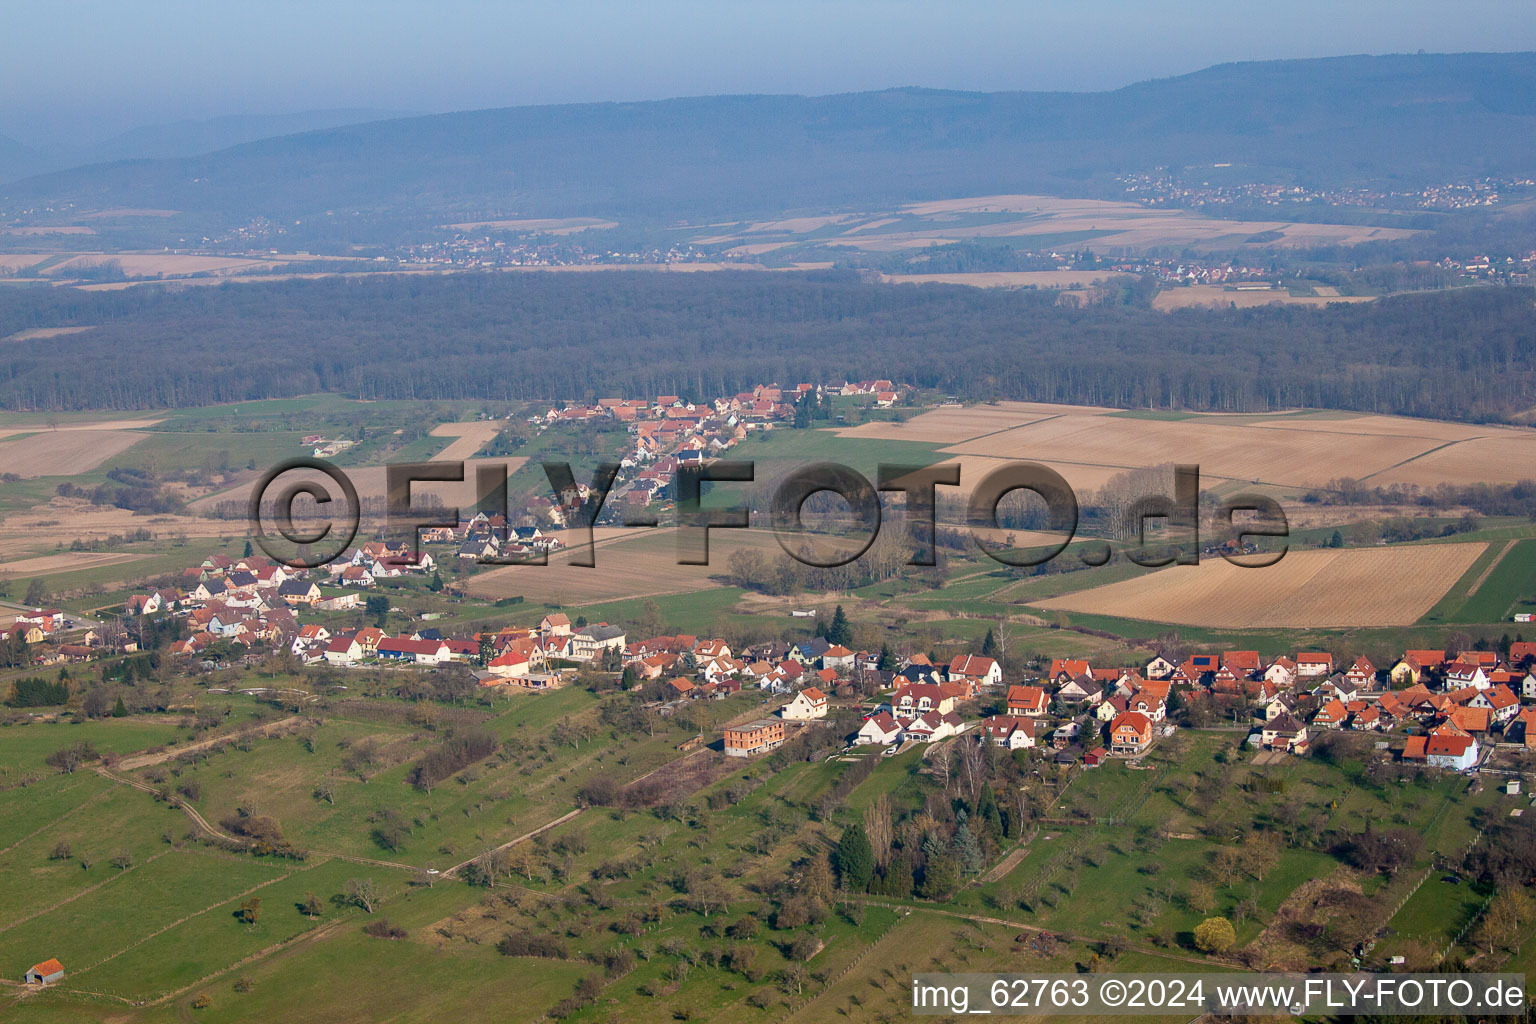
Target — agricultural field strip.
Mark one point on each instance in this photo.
(311, 935)
(185, 918)
(88, 890)
(39, 831)
(1492, 565)
(69, 561)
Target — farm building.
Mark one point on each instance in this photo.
(45, 973)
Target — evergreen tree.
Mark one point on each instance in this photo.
(855, 859)
(898, 878)
(941, 878)
(248, 550)
(887, 662)
(436, 583)
(376, 607)
(989, 646)
(840, 631)
(968, 848)
(119, 710)
(987, 812)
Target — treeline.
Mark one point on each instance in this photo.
(1516, 499)
(454, 754)
(1468, 354)
(37, 693)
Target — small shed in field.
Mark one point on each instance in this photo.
(45, 973)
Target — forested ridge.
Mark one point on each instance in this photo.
(1465, 354)
(1390, 120)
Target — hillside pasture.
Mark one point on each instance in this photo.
(1391, 586)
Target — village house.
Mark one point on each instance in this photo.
(1499, 700)
(1414, 665)
(975, 670)
(1313, 665)
(807, 704)
(1331, 715)
(1281, 672)
(1284, 732)
(916, 699)
(932, 726)
(1457, 752)
(1463, 673)
(1027, 701)
(1081, 690)
(838, 658)
(1130, 733)
(1007, 731)
(589, 642)
(880, 729)
(756, 737)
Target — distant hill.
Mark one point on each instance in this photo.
(179, 139)
(1392, 120)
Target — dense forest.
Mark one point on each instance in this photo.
(1465, 354)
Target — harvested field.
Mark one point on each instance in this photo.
(471, 438)
(630, 563)
(1247, 453)
(951, 424)
(63, 520)
(1294, 449)
(48, 229)
(1009, 278)
(1112, 224)
(372, 486)
(32, 428)
(40, 333)
(1501, 456)
(64, 452)
(68, 561)
(158, 264)
(548, 226)
(1372, 425)
(1212, 295)
(1389, 586)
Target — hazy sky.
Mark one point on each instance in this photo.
(95, 67)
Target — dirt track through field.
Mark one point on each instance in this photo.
(138, 761)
